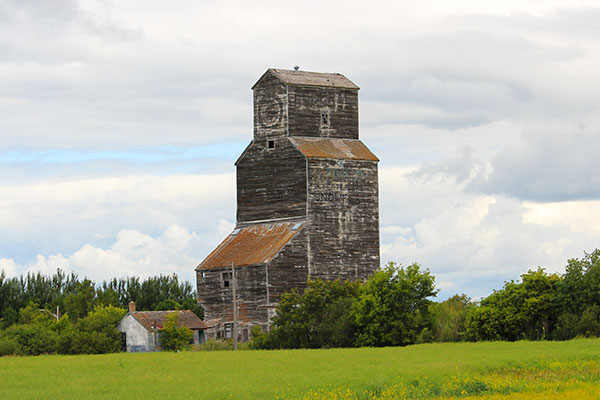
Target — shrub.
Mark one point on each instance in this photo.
(9, 346)
(34, 339)
(172, 336)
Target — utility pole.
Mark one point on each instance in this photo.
(235, 309)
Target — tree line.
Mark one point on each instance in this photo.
(77, 297)
(88, 313)
(394, 307)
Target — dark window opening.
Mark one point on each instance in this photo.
(270, 144)
(228, 331)
(226, 279)
(325, 118)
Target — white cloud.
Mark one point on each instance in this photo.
(8, 266)
(553, 162)
(476, 241)
(66, 214)
(175, 250)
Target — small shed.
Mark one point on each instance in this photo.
(140, 330)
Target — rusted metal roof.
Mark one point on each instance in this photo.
(306, 78)
(252, 245)
(155, 319)
(336, 149)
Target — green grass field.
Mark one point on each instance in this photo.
(497, 370)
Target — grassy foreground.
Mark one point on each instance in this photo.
(497, 370)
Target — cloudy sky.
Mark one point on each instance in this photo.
(120, 122)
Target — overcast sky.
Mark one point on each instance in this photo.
(120, 122)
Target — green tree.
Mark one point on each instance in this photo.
(82, 300)
(94, 334)
(521, 310)
(393, 306)
(174, 336)
(319, 317)
(166, 305)
(450, 319)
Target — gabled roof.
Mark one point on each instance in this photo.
(335, 149)
(306, 78)
(155, 319)
(252, 245)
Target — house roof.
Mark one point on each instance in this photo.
(306, 78)
(155, 319)
(337, 149)
(252, 245)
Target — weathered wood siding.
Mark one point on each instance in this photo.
(217, 300)
(270, 108)
(343, 219)
(307, 103)
(286, 271)
(289, 269)
(271, 183)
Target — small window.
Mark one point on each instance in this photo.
(325, 118)
(270, 144)
(228, 331)
(203, 274)
(226, 279)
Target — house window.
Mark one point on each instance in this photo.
(325, 121)
(226, 279)
(270, 144)
(228, 331)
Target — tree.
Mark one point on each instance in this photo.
(450, 319)
(392, 309)
(94, 334)
(319, 317)
(521, 310)
(79, 303)
(174, 336)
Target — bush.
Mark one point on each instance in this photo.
(95, 334)
(34, 339)
(260, 339)
(172, 336)
(9, 346)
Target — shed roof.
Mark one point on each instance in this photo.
(155, 319)
(307, 78)
(337, 149)
(252, 245)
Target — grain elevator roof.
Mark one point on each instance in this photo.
(306, 78)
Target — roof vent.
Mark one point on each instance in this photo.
(296, 68)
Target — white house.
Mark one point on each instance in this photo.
(140, 330)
